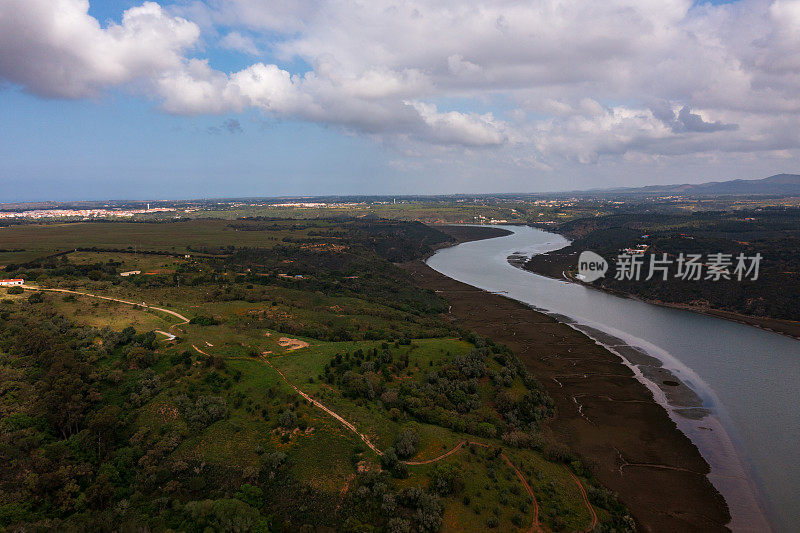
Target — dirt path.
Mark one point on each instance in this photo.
(169, 336)
(446, 454)
(201, 351)
(535, 522)
(585, 501)
(344, 422)
(142, 305)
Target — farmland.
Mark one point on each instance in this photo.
(180, 237)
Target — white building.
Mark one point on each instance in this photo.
(8, 282)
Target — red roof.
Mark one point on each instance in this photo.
(16, 279)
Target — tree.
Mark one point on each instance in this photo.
(36, 298)
(287, 419)
(446, 480)
(103, 426)
(429, 512)
(100, 492)
(406, 444)
(250, 495)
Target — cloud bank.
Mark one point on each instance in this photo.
(544, 82)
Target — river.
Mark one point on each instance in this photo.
(746, 421)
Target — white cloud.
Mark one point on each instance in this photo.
(54, 48)
(241, 43)
(467, 129)
(583, 80)
(364, 104)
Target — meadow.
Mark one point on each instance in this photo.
(436, 426)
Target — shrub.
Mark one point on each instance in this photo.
(287, 420)
(250, 495)
(389, 458)
(274, 464)
(400, 470)
(447, 479)
(36, 298)
(201, 320)
(485, 429)
(399, 525)
(406, 444)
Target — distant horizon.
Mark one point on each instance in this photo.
(376, 195)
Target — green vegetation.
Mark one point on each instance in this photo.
(773, 232)
(106, 424)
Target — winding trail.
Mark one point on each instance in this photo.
(535, 522)
(535, 526)
(344, 422)
(143, 305)
(585, 501)
(445, 454)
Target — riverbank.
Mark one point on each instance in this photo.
(469, 233)
(604, 414)
(556, 264)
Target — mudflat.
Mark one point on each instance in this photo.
(603, 413)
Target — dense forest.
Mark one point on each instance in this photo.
(774, 233)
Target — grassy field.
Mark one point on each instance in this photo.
(148, 264)
(207, 418)
(37, 240)
(321, 454)
(429, 212)
(104, 313)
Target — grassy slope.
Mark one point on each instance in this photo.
(324, 455)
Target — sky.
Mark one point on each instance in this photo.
(121, 99)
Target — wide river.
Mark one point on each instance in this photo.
(748, 379)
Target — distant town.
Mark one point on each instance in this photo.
(82, 213)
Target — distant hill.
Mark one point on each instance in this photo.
(784, 184)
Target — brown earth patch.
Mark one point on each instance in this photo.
(292, 344)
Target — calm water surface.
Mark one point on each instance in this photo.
(748, 378)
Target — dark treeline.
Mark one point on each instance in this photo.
(772, 232)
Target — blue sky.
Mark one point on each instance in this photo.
(222, 99)
(124, 148)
